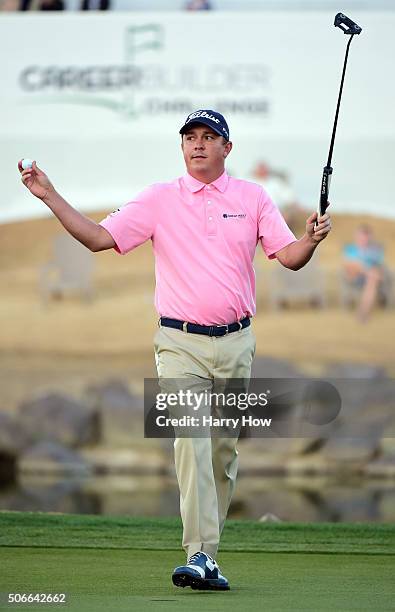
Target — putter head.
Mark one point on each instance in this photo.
(346, 24)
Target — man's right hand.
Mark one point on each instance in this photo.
(35, 180)
(88, 232)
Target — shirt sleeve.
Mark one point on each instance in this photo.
(273, 232)
(350, 252)
(133, 223)
(376, 256)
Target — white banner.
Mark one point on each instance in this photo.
(98, 100)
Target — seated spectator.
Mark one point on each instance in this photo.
(51, 5)
(95, 5)
(278, 186)
(198, 5)
(41, 5)
(9, 5)
(364, 268)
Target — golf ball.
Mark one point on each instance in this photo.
(27, 163)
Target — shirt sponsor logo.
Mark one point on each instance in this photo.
(234, 216)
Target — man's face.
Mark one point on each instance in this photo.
(363, 238)
(204, 150)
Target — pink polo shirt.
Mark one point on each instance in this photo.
(204, 239)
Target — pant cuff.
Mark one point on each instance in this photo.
(194, 547)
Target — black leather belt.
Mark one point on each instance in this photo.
(207, 330)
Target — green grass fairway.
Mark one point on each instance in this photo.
(122, 563)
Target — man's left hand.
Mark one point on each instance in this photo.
(320, 231)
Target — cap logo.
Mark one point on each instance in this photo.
(207, 117)
(202, 114)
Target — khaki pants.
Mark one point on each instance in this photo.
(206, 467)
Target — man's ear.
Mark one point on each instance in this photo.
(227, 149)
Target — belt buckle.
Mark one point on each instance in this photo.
(226, 328)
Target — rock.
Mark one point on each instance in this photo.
(148, 460)
(121, 414)
(13, 436)
(7, 468)
(354, 502)
(238, 508)
(386, 504)
(127, 494)
(350, 453)
(307, 465)
(270, 518)
(383, 467)
(267, 367)
(374, 420)
(272, 455)
(49, 457)
(59, 418)
(381, 391)
(354, 370)
(297, 407)
(258, 456)
(364, 400)
(387, 446)
(275, 497)
(51, 493)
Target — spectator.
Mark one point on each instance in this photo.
(41, 5)
(277, 184)
(27, 5)
(198, 5)
(95, 5)
(9, 5)
(363, 267)
(51, 5)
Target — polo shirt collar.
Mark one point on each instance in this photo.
(194, 185)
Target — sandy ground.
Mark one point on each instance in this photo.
(68, 344)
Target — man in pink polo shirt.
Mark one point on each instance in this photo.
(204, 229)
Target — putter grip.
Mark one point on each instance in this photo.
(325, 184)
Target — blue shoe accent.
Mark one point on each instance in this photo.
(201, 572)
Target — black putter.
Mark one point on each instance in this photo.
(351, 28)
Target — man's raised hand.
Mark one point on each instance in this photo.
(35, 180)
(318, 229)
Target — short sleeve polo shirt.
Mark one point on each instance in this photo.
(204, 238)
